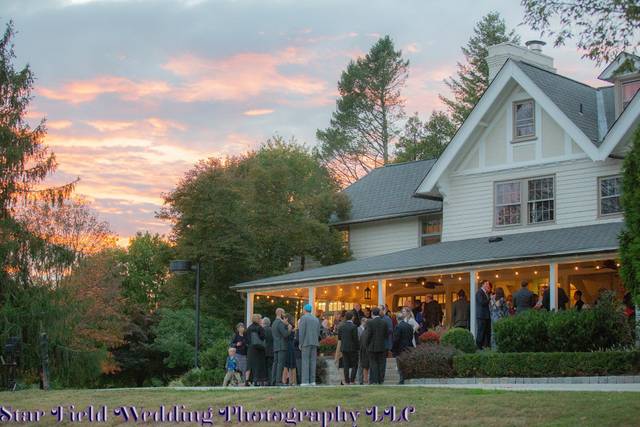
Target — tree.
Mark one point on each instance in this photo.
(427, 140)
(630, 236)
(472, 77)
(147, 270)
(247, 217)
(365, 123)
(24, 161)
(603, 28)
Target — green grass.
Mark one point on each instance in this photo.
(433, 406)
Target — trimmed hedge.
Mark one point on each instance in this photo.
(427, 361)
(461, 339)
(492, 364)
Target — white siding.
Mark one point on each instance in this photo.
(468, 204)
(382, 237)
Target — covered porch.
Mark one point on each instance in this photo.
(577, 259)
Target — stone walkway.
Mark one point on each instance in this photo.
(615, 387)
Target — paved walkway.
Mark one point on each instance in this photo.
(540, 387)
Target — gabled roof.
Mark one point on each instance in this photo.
(569, 94)
(387, 192)
(590, 239)
(612, 72)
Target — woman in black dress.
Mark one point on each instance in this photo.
(256, 357)
(239, 342)
(290, 361)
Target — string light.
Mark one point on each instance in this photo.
(597, 267)
(535, 272)
(517, 273)
(576, 268)
(497, 276)
(459, 278)
(406, 285)
(617, 264)
(440, 280)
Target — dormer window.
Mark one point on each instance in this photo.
(524, 121)
(629, 89)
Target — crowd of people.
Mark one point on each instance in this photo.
(283, 353)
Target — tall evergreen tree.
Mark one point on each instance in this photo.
(366, 121)
(25, 162)
(472, 77)
(427, 140)
(630, 236)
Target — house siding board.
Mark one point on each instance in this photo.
(382, 237)
(468, 208)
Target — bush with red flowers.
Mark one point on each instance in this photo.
(328, 345)
(430, 337)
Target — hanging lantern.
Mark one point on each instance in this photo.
(367, 294)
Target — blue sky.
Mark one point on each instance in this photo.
(135, 92)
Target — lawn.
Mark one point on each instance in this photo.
(432, 406)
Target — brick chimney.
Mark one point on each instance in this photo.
(531, 54)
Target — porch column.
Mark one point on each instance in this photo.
(382, 291)
(472, 301)
(249, 308)
(312, 299)
(553, 286)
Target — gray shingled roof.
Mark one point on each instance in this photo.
(529, 245)
(568, 94)
(387, 192)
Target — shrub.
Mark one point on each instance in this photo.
(600, 328)
(216, 355)
(198, 377)
(321, 370)
(430, 337)
(492, 364)
(328, 345)
(523, 332)
(427, 361)
(460, 339)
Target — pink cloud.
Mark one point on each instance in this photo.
(80, 91)
(109, 125)
(59, 124)
(242, 76)
(258, 112)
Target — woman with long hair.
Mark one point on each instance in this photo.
(256, 357)
(239, 342)
(498, 308)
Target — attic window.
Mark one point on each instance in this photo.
(629, 90)
(524, 122)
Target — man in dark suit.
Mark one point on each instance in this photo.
(268, 347)
(402, 337)
(432, 314)
(461, 311)
(280, 332)
(349, 345)
(357, 314)
(483, 317)
(563, 299)
(378, 333)
(523, 300)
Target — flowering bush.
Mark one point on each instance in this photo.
(431, 337)
(329, 344)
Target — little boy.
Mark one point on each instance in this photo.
(232, 376)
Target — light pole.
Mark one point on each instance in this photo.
(182, 267)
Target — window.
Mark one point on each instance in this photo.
(540, 205)
(535, 196)
(524, 123)
(629, 90)
(345, 238)
(430, 229)
(508, 203)
(610, 188)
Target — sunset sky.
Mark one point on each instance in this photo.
(135, 92)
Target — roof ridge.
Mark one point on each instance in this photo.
(407, 162)
(561, 75)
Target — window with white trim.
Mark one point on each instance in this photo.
(430, 229)
(535, 196)
(609, 191)
(629, 90)
(524, 121)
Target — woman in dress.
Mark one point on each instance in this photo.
(289, 372)
(239, 342)
(364, 354)
(498, 308)
(256, 357)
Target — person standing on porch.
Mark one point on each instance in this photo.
(432, 314)
(388, 343)
(357, 314)
(376, 334)
(499, 309)
(268, 347)
(403, 337)
(524, 299)
(348, 337)
(483, 316)
(280, 334)
(309, 331)
(461, 311)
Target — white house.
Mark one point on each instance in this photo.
(528, 189)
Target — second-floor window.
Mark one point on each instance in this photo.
(609, 191)
(629, 89)
(529, 201)
(524, 121)
(345, 237)
(430, 229)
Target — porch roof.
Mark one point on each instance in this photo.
(588, 239)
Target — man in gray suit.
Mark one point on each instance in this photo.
(280, 333)
(309, 331)
(523, 300)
